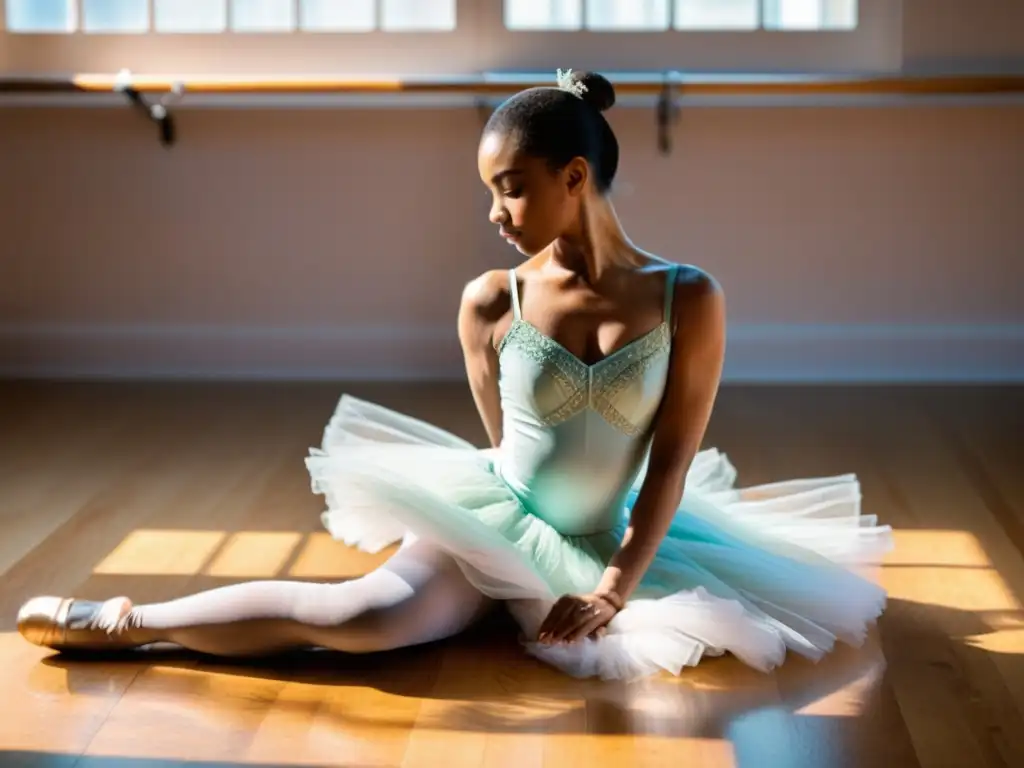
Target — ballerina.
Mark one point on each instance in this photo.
(620, 547)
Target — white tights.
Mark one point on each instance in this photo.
(419, 595)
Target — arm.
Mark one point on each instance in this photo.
(692, 386)
(695, 371)
(484, 301)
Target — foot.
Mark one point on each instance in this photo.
(68, 624)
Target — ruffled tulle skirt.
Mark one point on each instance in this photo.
(754, 572)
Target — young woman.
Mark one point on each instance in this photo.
(618, 546)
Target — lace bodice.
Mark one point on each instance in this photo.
(575, 435)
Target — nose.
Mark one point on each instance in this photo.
(498, 214)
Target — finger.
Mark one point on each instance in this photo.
(557, 625)
(552, 618)
(561, 613)
(575, 622)
(598, 620)
(600, 632)
(555, 618)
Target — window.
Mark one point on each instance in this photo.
(332, 16)
(809, 14)
(696, 36)
(593, 14)
(264, 39)
(186, 15)
(263, 15)
(115, 16)
(661, 15)
(722, 14)
(218, 16)
(41, 16)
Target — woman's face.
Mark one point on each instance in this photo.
(531, 204)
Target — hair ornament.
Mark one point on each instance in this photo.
(566, 83)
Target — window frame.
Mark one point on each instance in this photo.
(479, 43)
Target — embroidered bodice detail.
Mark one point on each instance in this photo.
(595, 386)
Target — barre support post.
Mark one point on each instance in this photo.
(156, 111)
(666, 113)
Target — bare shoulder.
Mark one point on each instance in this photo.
(695, 283)
(488, 296)
(698, 300)
(485, 300)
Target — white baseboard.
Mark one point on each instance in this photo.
(876, 353)
(223, 352)
(756, 353)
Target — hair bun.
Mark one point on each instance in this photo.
(600, 93)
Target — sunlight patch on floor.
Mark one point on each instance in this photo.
(1003, 641)
(938, 567)
(937, 548)
(949, 569)
(161, 552)
(321, 557)
(236, 555)
(254, 554)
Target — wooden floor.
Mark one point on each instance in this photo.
(156, 490)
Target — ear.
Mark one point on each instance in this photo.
(576, 174)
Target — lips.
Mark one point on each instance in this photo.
(508, 235)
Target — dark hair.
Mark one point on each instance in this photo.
(556, 125)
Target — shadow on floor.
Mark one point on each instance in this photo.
(491, 686)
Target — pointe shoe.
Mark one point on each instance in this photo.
(68, 624)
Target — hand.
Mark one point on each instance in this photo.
(574, 617)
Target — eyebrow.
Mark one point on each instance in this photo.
(499, 177)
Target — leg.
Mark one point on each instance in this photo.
(417, 596)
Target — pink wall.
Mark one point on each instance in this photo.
(875, 242)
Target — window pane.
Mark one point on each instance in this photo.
(338, 15)
(190, 15)
(627, 14)
(839, 14)
(262, 15)
(810, 14)
(115, 15)
(41, 15)
(717, 14)
(415, 15)
(543, 14)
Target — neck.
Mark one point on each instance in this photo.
(597, 244)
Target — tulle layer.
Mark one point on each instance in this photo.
(754, 571)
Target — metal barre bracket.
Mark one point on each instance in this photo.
(157, 112)
(666, 113)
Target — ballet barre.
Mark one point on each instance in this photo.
(153, 95)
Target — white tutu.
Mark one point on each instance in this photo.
(752, 572)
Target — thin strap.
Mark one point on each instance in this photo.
(513, 287)
(670, 288)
